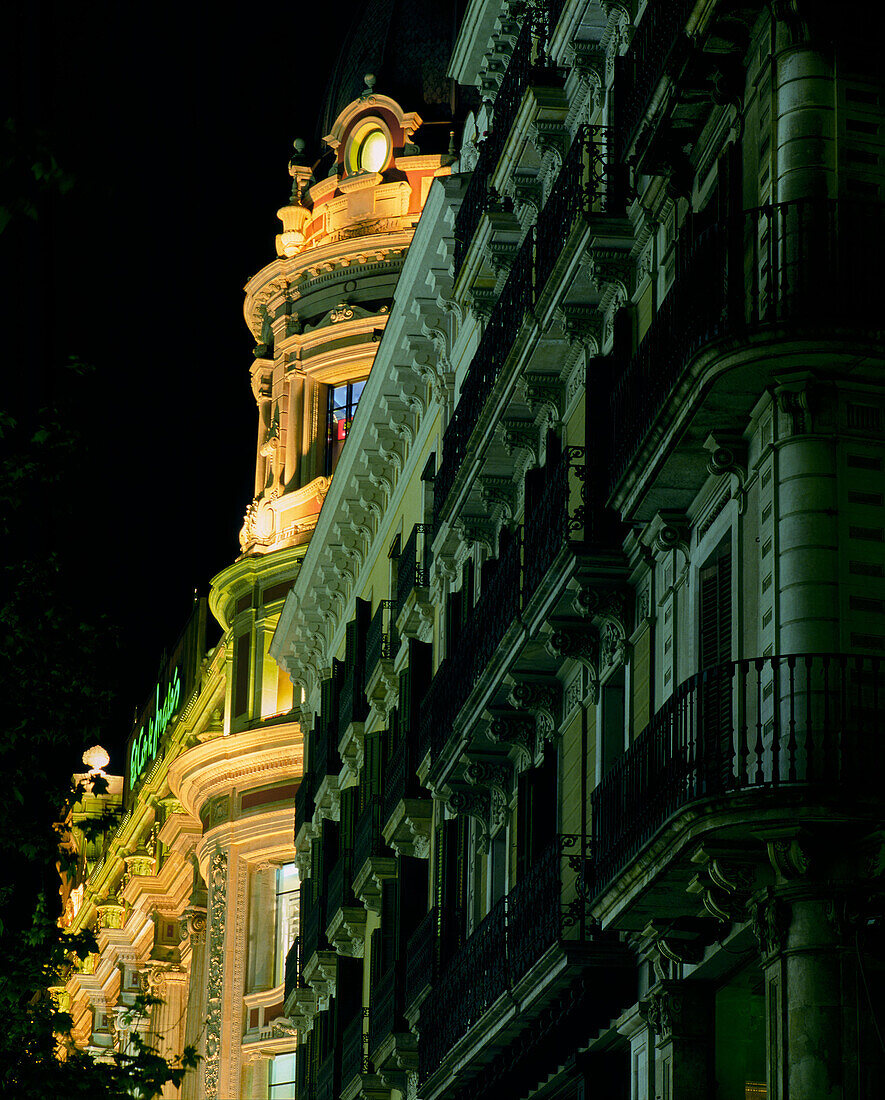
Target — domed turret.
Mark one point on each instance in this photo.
(406, 45)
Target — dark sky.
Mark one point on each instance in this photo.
(176, 122)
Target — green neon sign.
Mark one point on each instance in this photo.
(144, 745)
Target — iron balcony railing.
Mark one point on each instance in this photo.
(653, 52)
(304, 800)
(476, 197)
(293, 979)
(809, 263)
(558, 518)
(399, 780)
(386, 1006)
(381, 640)
(590, 181)
(355, 1049)
(328, 1082)
(489, 358)
(313, 926)
(548, 905)
(759, 724)
(339, 891)
(422, 957)
(412, 566)
(561, 517)
(326, 759)
(367, 840)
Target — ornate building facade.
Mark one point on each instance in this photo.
(578, 638)
(187, 868)
(589, 637)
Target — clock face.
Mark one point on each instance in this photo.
(368, 149)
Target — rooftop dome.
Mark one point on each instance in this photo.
(407, 45)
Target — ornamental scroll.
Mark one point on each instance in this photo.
(215, 985)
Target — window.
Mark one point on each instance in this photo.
(286, 920)
(368, 149)
(282, 1077)
(343, 401)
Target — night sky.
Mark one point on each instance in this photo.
(176, 123)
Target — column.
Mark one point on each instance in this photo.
(821, 1006)
(633, 1025)
(681, 1015)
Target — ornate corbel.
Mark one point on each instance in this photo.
(476, 531)
(499, 492)
(497, 779)
(550, 139)
(588, 61)
(515, 730)
(482, 301)
(771, 919)
(520, 435)
(543, 394)
(541, 698)
(728, 455)
(577, 641)
(582, 325)
(669, 530)
(612, 271)
(474, 802)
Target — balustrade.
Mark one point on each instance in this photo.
(654, 46)
(763, 723)
(412, 567)
(809, 263)
(386, 1007)
(485, 367)
(557, 518)
(338, 890)
(547, 906)
(589, 182)
(293, 979)
(355, 1049)
(381, 641)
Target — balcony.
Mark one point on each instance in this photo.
(382, 642)
(328, 1083)
(355, 1050)
(424, 954)
(784, 730)
(656, 46)
(558, 519)
(392, 1047)
(767, 274)
(304, 803)
(546, 908)
(405, 813)
(485, 368)
(347, 918)
(507, 101)
(590, 183)
(372, 859)
(412, 575)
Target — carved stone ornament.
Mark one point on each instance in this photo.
(215, 972)
(612, 646)
(771, 924)
(474, 803)
(498, 493)
(582, 325)
(543, 394)
(498, 780)
(672, 1010)
(517, 731)
(541, 698)
(575, 641)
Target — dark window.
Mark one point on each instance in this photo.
(241, 675)
(343, 401)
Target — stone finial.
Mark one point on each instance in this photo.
(96, 758)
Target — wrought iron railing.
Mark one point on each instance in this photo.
(806, 263)
(763, 723)
(412, 566)
(325, 759)
(304, 800)
(422, 957)
(397, 781)
(292, 974)
(367, 840)
(589, 182)
(548, 905)
(476, 197)
(355, 1049)
(386, 1006)
(497, 607)
(654, 48)
(381, 640)
(485, 367)
(328, 1084)
(339, 889)
(313, 926)
(557, 518)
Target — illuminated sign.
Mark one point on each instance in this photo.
(144, 745)
(178, 675)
